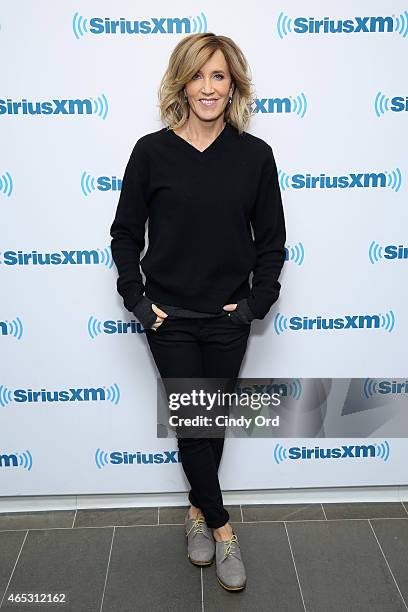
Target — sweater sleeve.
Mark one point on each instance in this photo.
(268, 224)
(144, 312)
(128, 230)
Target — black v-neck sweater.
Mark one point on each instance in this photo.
(200, 207)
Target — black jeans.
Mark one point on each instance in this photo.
(198, 348)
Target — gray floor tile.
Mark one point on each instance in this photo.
(341, 568)
(271, 577)
(36, 520)
(116, 516)
(63, 561)
(362, 510)
(149, 571)
(282, 512)
(172, 514)
(10, 544)
(393, 538)
(235, 514)
(176, 514)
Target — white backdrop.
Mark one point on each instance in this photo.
(329, 103)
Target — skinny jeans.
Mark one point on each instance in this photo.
(213, 347)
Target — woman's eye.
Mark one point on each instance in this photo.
(217, 75)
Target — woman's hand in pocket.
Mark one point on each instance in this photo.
(161, 315)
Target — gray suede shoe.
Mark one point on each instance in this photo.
(200, 541)
(230, 567)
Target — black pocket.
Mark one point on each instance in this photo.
(235, 320)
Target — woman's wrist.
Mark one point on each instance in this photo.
(144, 312)
(243, 312)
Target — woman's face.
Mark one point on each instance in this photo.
(211, 82)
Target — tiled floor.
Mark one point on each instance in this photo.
(315, 557)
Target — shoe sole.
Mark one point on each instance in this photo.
(200, 563)
(230, 588)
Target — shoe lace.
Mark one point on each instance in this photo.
(197, 525)
(229, 549)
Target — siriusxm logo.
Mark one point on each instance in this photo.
(96, 327)
(282, 323)
(6, 184)
(103, 458)
(390, 251)
(367, 180)
(86, 106)
(32, 396)
(22, 460)
(12, 328)
(383, 104)
(295, 253)
(58, 258)
(102, 183)
(292, 389)
(155, 25)
(295, 105)
(315, 453)
(355, 25)
(373, 386)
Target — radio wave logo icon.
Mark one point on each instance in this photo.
(113, 394)
(284, 25)
(100, 106)
(94, 327)
(284, 180)
(6, 396)
(25, 460)
(87, 183)
(370, 387)
(295, 389)
(79, 25)
(105, 257)
(6, 184)
(375, 252)
(299, 105)
(295, 253)
(394, 179)
(381, 104)
(14, 328)
(388, 321)
(280, 323)
(401, 24)
(280, 453)
(199, 23)
(101, 458)
(383, 450)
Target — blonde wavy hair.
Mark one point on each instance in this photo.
(186, 59)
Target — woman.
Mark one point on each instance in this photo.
(202, 182)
